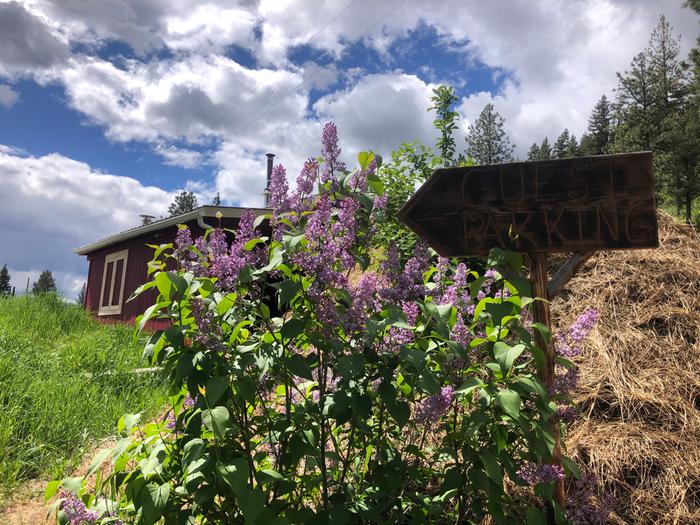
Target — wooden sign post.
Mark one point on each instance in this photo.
(578, 205)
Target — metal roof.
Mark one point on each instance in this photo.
(197, 214)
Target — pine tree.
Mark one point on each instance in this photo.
(561, 145)
(184, 202)
(545, 150)
(5, 286)
(443, 100)
(572, 147)
(534, 152)
(45, 284)
(597, 139)
(487, 141)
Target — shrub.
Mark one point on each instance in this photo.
(384, 392)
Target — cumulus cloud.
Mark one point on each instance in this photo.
(26, 41)
(52, 204)
(8, 97)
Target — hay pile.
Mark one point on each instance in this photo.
(639, 391)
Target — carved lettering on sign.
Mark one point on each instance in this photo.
(582, 204)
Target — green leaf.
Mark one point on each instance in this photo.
(259, 220)
(298, 366)
(170, 285)
(153, 501)
(216, 419)
(571, 466)
(252, 504)
(401, 412)
(493, 469)
(51, 489)
(216, 386)
(506, 355)
(536, 516)
(293, 328)
(365, 158)
(287, 290)
(269, 474)
(509, 401)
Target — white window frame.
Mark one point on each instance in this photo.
(111, 309)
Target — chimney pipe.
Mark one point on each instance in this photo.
(266, 193)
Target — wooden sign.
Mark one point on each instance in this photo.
(569, 205)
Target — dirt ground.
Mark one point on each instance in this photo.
(27, 506)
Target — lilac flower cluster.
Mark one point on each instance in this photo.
(534, 474)
(565, 383)
(188, 403)
(75, 510)
(567, 414)
(585, 504)
(358, 179)
(279, 189)
(570, 344)
(457, 294)
(209, 333)
(433, 407)
(405, 284)
(330, 151)
(365, 300)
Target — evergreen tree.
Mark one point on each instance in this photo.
(561, 145)
(572, 147)
(487, 141)
(45, 284)
(534, 152)
(597, 138)
(217, 200)
(443, 100)
(545, 150)
(184, 202)
(5, 286)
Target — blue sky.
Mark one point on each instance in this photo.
(107, 109)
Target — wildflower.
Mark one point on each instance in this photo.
(279, 189)
(460, 332)
(330, 151)
(585, 504)
(433, 407)
(75, 510)
(570, 344)
(533, 474)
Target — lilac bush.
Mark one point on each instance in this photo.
(316, 378)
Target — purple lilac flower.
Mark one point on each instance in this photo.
(433, 407)
(188, 403)
(490, 273)
(570, 344)
(405, 284)
(76, 511)
(358, 179)
(460, 332)
(380, 203)
(364, 301)
(330, 151)
(565, 383)
(585, 504)
(209, 333)
(279, 189)
(567, 414)
(307, 177)
(534, 474)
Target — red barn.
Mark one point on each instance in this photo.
(119, 263)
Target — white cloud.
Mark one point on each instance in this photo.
(8, 97)
(52, 204)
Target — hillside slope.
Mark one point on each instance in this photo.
(639, 392)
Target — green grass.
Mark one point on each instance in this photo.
(56, 400)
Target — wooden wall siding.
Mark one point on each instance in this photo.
(136, 272)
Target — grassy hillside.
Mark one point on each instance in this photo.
(56, 398)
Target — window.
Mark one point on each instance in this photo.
(113, 283)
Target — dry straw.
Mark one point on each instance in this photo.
(639, 392)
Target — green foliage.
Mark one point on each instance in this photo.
(598, 137)
(410, 166)
(445, 121)
(64, 382)
(45, 284)
(184, 202)
(487, 141)
(333, 412)
(5, 282)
